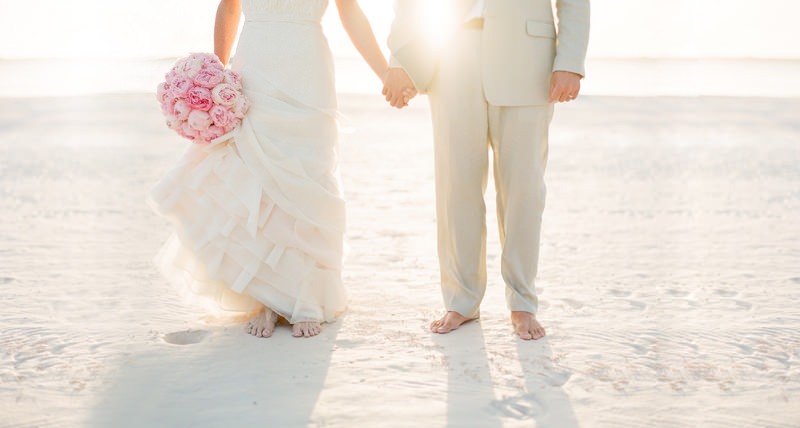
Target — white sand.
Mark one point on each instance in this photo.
(669, 280)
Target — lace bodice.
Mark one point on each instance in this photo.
(306, 10)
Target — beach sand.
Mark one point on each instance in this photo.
(669, 280)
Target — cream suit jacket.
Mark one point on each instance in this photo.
(521, 46)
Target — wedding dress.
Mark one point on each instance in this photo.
(259, 219)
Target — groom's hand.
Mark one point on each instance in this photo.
(398, 87)
(564, 86)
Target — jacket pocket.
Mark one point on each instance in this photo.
(541, 29)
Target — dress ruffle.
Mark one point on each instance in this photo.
(233, 244)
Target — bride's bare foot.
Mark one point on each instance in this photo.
(263, 323)
(449, 322)
(526, 326)
(306, 329)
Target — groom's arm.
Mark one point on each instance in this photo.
(573, 36)
(573, 41)
(413, 58)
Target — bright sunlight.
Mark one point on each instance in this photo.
(437, 21)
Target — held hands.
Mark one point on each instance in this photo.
(398, 87)
(564, 86)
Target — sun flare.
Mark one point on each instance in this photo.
(438, 20)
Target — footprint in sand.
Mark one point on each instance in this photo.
(677, 293)
(637, 305)
(187, 337)
(619, 293)
(574, 304)
(557, 378)
(725, 293)
(520, 407)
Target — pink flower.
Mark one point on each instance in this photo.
(182, 109)
(192, 66)
(211, 133)
(212, 61)
(168, 107)
(199, 120)
(161, 90)
(180, 86)
(178, 67)
(221, 116)
(171, 75)
(232, 78)
(225, 94)
(241, 107)
(173, 123)
(199, 98)
(187, 131)
(208, 77)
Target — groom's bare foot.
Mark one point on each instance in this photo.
(526, 326)
(306, 329)
(262, 324)
(449, 322)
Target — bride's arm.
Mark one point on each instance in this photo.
(360, 32)
(227, 24)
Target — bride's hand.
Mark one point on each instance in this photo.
(398, 87)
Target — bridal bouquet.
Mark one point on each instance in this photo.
(200, 99)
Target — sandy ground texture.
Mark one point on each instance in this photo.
(669, 280)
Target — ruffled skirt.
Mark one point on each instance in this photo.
(236, 246)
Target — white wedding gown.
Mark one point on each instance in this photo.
(259, 219)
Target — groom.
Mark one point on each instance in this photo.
(492, 83)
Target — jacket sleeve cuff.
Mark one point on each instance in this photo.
(578, 69)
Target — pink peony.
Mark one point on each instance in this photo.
(168, 107)
(180, 86)
(211, 133)
(221, 116)
(173, 123)
(208, 77)
(187, 131)
(178, 67)
(225, 94)
(240, 108)
(199, 98)
(182, 109)
(232, 78)
(161, 90)
(212, 61)
(172, 74)
(199, 120)
(192, 66)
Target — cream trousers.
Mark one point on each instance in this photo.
(465, 127)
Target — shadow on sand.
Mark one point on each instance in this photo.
(219, 377)
(472, 398)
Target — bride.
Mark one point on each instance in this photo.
(259, 219)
